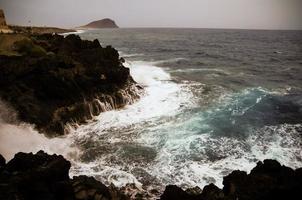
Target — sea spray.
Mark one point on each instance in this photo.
(23, 138)
(16, 136)
(162, 97)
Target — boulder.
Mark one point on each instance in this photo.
(212, 192)
(36, 176)
(41, 176)
(89, 188)
(176, 193)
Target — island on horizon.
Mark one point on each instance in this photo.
(10, 28)
(103, 23)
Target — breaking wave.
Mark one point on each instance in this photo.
(168, 137)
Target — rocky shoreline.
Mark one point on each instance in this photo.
(52, 81)
(39, 30)
(42, 176)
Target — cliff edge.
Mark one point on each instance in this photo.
(52, 81)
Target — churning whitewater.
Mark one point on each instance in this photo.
(211, 105)
(166, 138)
(214, 101)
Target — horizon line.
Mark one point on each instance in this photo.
(165, 27)
(231, 28)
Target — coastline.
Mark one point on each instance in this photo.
(219, 194)
(83, 79)
(38, 29)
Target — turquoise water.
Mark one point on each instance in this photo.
(214, 101)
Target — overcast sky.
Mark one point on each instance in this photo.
(247, 14)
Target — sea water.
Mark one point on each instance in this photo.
(214, 101)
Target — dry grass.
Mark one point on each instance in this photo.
(7, 43)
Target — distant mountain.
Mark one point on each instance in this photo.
(104, 23)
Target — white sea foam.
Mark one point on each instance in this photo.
(187, 154)
(16, 137)
(79, 31)
(184, 161)
(163, 99)
(106, 174)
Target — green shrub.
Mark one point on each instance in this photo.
(27, 47)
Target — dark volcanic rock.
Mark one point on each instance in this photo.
(268, 180)
(45, 177)
(89, 188)
(209, 192)
(174, 192)
(38, 176)
(58, 80)
(2, 161)
(212, 192)
(41, 176)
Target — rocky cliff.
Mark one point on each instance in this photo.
(104, 23)
(2, 20)
(42, 176)
(3, 26)
(51, 80)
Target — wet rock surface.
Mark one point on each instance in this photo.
(268, 180)
(51, 80)
(43, 176)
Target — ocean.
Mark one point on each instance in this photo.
(214, 101)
